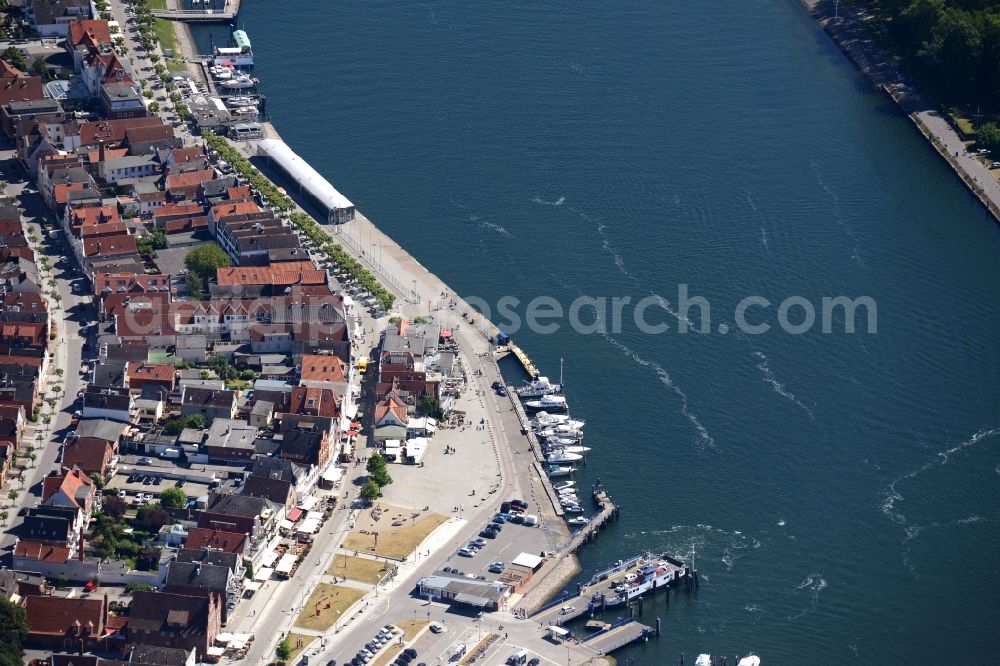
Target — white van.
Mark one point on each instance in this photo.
(517, 658)
(530, 521)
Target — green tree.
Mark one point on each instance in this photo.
(248, 568)
(370, 491)
(148, 559)
(13, 623)
(113, 506)
(173, 498)
(42, 68)
(206, 259)
(428, 404)
(988, 136)
(153, 517)
(154, 107)
(9, 655)
(195, 286)
(14, 57)
(283, 651)
(377, 470)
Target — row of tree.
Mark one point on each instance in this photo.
(952, 46)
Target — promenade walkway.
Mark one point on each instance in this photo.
(846, 24)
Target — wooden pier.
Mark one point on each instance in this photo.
(529, 367)
(615, 638)
(189, 16)
(607, 511)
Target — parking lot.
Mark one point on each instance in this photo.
(476, 557)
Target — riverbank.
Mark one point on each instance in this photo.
(845, 24)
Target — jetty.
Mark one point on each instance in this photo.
(194, 16)
(607, 512)
(519, 354)
(618, 636)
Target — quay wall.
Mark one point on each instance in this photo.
(845, 24)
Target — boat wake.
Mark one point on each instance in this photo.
(890, 494)
(701, 543)
(813, 585)
(558, 202)
(778, 387)
(914, 531)
(495, 227)
(704, 438)
(855, 255)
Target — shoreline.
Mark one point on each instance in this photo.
(844, 24)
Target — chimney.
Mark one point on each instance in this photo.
(100, 151)
(80, 554)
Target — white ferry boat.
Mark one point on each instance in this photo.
(644, 574)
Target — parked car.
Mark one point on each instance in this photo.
(465, 552)
(436, 628)
(145, 461)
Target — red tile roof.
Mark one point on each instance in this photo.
(68, 484)
(39, 551)
(90, 455)
(237, 208)
(89, 32)
(112, 131)
(152, 372)
(109, 246)
(189, 178)
(85, 215)
(200, 538)
(62, 616)
(284, 274)
(313, 401)
(323, 368)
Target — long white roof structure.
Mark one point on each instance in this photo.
(299, 170)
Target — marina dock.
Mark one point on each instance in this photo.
(607, 512)
(226, 15)
(518, 353)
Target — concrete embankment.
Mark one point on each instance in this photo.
(846, 24)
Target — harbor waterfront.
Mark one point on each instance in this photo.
(520, 150)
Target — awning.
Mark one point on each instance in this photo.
(309, 526)
(527, 560)
(269, 558)
(294, 514)
(353, 433)
(240, 641)
(216, 651)
(356, 424)
(333, 475)
(253, 585)
(224, 638)
(286, 564)
(445, 333)
(309, 502)
(471, 600)
(558, 631)
(264, 573)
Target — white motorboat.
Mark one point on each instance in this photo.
(578, 520)
(573, 449)
(548, 402)
(560, 457)
(559, 471)
(703, 660)
(543, 419)
(239, 82)
(562, 441)
(749, 660)
(562, 485)
(573, 508)
(538, 387)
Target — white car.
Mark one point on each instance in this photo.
(122, 494)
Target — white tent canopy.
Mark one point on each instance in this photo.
(339, 208)
(286, 564)
(264, 573)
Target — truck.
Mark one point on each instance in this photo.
(171, 453)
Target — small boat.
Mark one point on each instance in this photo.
(560, 457)
(573, 508)
(572, 449)
(561, 485)
(559, 471)
(543, 419)
(749, 660)
(239, 82)
(578, 520)
(703, 660)
(562, 442)
(553, 402)
(538, 387)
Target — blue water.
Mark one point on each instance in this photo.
(838, 492)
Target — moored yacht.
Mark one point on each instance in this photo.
(555, 403)
(538, 387)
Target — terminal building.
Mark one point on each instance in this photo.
(336, 206)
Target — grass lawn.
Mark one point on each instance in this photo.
(157, 5)
(358, 568)
(299, 642)
(165, 33)
(332, 601)
(395, 542)
(410, 630)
